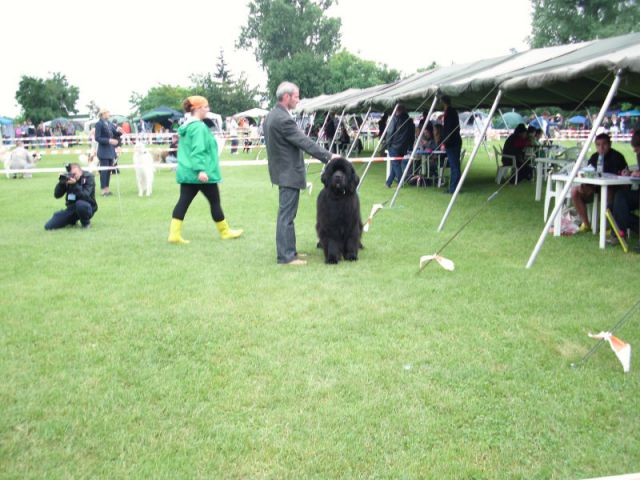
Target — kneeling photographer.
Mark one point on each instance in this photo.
(80, 189)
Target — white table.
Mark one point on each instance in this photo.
(604, 182)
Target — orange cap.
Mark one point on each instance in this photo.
(197, 101)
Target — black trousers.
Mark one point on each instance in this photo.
(105, 175)
(188, 192)
(626, 201)
(79, 210)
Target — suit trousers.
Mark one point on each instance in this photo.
(285, 227)
(105, 175)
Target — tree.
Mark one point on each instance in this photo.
(556, 22)
(222, 71)
(93, 108)
(226, 98)
(169, 95)
(43, 99)
(346, 70)
(290, 36)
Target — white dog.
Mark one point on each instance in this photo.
(143, 162)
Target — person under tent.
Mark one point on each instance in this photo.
(514, 147)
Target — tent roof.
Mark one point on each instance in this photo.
(564, 75)
(253, 113)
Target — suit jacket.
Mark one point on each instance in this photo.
(105, 131)
(285, 144)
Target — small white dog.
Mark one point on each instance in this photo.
(143, 162)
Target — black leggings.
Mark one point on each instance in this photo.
(188, 192)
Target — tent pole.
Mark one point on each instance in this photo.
(503, 120)
(313, 119)
(364, 120)
(484, 139)
(544, 130)
(324, 124)
(476, 147)
(335, 135)
(574, 171)
(413, 151)
(375, 150)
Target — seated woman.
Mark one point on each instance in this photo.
(514, 146)
(427, 141)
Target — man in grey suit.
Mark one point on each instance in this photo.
(285, 144)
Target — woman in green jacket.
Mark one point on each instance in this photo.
(198, 170)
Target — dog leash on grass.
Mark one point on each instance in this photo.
(472, 218)
(625, 318)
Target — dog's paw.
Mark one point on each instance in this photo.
(331, 260)
(351, 257)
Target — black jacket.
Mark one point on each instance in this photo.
(614, 162)
(401, 134)
(451, 128)
(105, 131)
(84, 189)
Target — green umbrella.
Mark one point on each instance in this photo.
(512, 119)
(162, 114)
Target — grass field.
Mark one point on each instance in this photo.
(124, 356)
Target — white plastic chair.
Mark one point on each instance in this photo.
(504, 171)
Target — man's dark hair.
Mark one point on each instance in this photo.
(531, 129)
(635, 139)
(604, 136)
(75, 164)
(446, 99)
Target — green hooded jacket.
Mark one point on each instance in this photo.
(197, 152)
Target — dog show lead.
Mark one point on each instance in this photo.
(198, 170)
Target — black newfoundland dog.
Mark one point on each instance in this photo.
(338, 221)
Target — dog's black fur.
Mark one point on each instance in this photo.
(338, 221)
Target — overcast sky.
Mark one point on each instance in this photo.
(110, 49)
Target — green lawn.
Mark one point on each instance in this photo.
(124, 356)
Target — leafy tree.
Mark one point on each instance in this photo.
(226, 98)
(346, 70)
(168, 95)
(93, 108)
(43, 99)
(279, 29)
(289, 37)
(556, 22)
(222, 70)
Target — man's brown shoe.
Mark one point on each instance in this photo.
(296, 261)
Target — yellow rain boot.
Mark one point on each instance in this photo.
(175, 232)
(227, 233)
